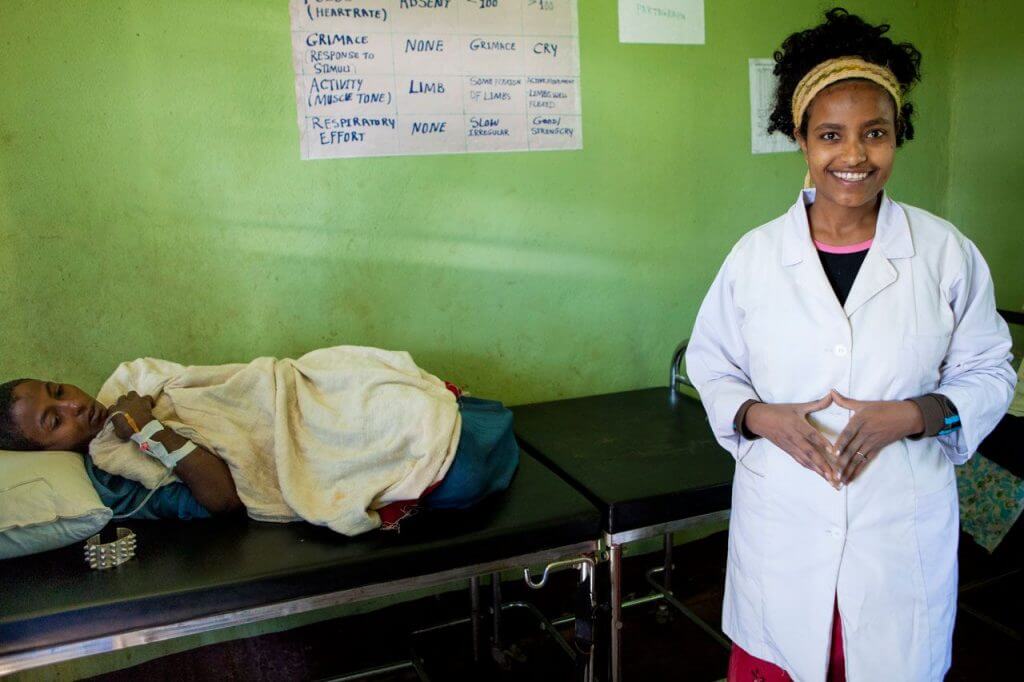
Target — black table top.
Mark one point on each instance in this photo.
(187, 570)
(644, 457)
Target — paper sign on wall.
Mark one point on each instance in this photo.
(762, 100)
(661, 21)
(391, 77)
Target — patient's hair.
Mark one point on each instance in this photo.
(11, 437)
(842, 35)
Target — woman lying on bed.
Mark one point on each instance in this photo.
(347, 437)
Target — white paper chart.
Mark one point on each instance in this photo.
(762, 100)
(392, 77)
(679, 22)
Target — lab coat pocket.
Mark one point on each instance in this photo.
(753, 460)
(936, 512)
(937, 522)
(922, 355)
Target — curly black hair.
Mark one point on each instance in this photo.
(11, 437)
(841, 35)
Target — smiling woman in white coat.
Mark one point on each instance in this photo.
(849, 355)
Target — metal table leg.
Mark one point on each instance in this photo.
(497, 649)
(666, 575)
(658, 587)
(615, 636)
(474, 615)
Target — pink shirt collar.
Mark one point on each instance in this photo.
(849, 248)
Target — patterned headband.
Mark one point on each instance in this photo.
(841, 68)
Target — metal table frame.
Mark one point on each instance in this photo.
(580, 554)
(612, 545)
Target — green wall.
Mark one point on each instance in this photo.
(986, 180)
(152, 201)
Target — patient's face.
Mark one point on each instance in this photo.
(57, 416)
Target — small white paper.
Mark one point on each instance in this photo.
(676, 22)
(762, 100)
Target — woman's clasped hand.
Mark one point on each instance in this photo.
(786, 425)
(873, 425)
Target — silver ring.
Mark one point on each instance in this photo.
(862, 455)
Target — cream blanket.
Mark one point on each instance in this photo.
(327, 437)
(1017, 406)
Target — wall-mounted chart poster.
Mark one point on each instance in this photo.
(679, 22)
(762, 100)
(393, 77)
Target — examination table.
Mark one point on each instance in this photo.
(647, 460)
(191, 577)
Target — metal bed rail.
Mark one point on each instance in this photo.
(676, 376)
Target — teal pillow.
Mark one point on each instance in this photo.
(46, 502)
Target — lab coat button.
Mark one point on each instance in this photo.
(834, 532)
(840, 350)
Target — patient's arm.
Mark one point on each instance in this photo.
(205, 474)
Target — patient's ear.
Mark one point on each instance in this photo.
(11, 436)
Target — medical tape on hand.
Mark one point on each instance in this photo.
(127, 418)
(156, 449)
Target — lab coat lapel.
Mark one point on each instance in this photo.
(801, 258)
(892, 240)
(875, 274)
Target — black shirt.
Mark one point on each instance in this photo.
(841, 269)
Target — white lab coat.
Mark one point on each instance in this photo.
(920, 318)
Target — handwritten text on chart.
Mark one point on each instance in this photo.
(389, 77)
